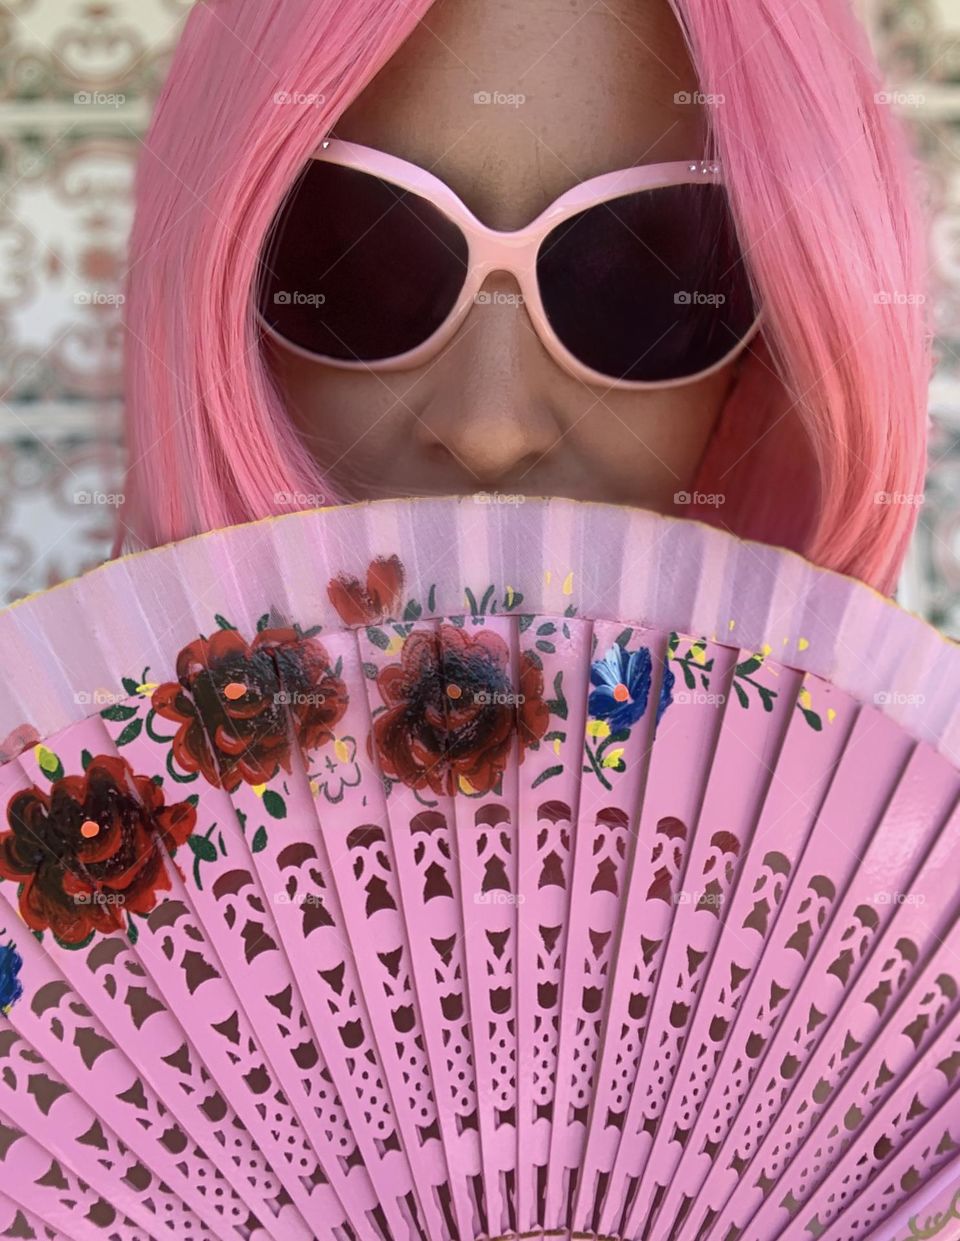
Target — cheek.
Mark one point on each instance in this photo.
(337, 405)
(660, 437)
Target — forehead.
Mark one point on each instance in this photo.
(512, 103)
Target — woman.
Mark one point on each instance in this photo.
(801, 431)
(663, 254)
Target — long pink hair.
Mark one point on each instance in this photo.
(821, 445)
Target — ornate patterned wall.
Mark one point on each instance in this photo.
(77, 79)
(918, 42)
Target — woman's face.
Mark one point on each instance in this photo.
(493, 411)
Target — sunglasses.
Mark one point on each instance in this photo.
(631, 279)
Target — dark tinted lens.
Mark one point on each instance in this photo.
(357, 268)
(649, 286)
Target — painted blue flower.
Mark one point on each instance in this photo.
(10, 988)
(622, 686)
(666, 690)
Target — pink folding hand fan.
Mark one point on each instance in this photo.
(438, 869)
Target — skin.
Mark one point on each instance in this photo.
(494, 411)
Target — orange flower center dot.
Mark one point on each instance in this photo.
(89, 828)
(236, 689)
(454, 691)
(620, 692)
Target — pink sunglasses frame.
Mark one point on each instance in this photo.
(513, 251)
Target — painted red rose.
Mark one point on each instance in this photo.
(451, 711)
(91, 850)
(359, 604)
(229, 701)
(534, 713)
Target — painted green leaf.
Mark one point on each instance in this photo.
(548, 774)
(412, 611)
(766, 697)
(259, 840)
(223, 622)
(130, 733)
(378, 637)
(118, 712)
(274, 804)
(203, 847)
(558, 704)
(814, 720)
(86, 758)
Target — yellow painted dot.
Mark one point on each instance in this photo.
(46, 759)
(89, 828)
(314, 787)
(466, 786)
(802, 644)
(341, 751)
(556, 745)
(612, 758)
(147, 687)
(547, 576)
(699, 654)
(805, 699)
(395, 644)
(730, 624)
(765, 650)
(259, 789)
(831, 714)
(510, 594)
(234, 690)
(568, 583)
(598, 728)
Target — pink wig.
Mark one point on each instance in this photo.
(821, 445)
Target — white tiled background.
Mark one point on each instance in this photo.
(76, 83)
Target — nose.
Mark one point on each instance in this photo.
(489, 412)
